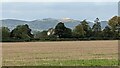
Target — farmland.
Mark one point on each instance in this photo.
(60, 53)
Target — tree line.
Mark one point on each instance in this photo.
(82, 31)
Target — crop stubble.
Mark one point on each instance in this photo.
(31, 52)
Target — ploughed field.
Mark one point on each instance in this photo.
(60, 53)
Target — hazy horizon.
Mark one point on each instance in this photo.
(75, 10)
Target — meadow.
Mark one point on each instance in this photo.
(60, 53)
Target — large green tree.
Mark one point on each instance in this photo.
(42, 34)
(5, 32)
(78, 31)
(67, 33)
(96, 29)
(87, 29)
(107, 32)
(22, 32)
(0, 33)
(118, 27)
(62, 31)
(114, 23)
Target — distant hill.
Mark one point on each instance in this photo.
(44, 24)
(12, 23)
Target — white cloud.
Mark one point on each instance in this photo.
(59, 0)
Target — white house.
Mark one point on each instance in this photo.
(51, 31)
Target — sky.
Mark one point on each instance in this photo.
(59, 0)
(74, 10)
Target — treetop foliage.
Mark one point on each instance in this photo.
(61, 32)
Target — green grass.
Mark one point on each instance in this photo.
(94, 62)
(98, 62)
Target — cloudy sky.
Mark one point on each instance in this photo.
(75, 10)
(59, 0)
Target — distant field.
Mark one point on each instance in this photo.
(64, 53)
